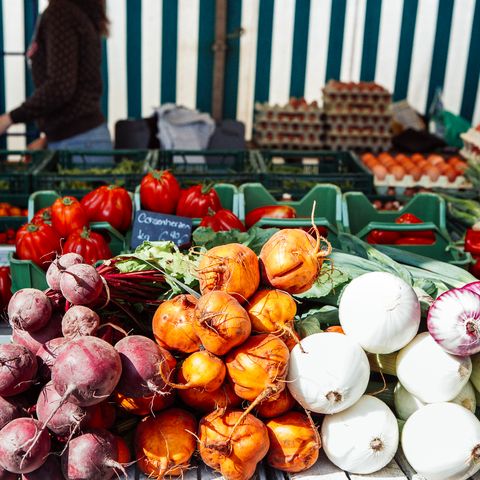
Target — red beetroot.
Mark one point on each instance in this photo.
(8, 412)
(59, 265)
(29, 309)
(92, 456)
(34, 340)
(79, 321)
(81, 284)
(18, 367)
(16, 438)
(142, 360)
(67, 419)
(50, 470)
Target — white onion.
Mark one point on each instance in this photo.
(406, 404)
(475, 377)
(442, 441)
(429, 372)
(454, 321)
(362, 439)
(380, 311)
(331, 375)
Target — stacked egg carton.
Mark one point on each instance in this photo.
(358, 116)
(295, 126)
(471, 144)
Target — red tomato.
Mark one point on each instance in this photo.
(68, 215)
(382, 237)
(197, 201)
(4, 212)
(222, 221)
(3, 238)
(159, 192)
(90, 245)
(269, 211)
(39, 243)
(475, 269)
(110, 204)
(415, 240)
(15, 212)
(24, 212)
(5, 287)
(410, 218)
(42, 216)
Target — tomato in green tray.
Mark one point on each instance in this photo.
(222, 220)
(39, 243)
(269, 211)
(5, 287)
(42, 216)
(410, 218)
(110, 204)
(92, 246)
(197, 201)
(68, 215)
(160, 192)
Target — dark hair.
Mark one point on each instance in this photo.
(97, 12)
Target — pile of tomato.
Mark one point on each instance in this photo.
(64, 227)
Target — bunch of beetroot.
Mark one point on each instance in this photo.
(58, 379)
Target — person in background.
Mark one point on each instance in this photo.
(65, 57)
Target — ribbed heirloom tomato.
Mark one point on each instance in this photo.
(159, 192)
(92, 246)
(68, 215)
(42, 216)
(269, 211)
(197, 201)
(110, 204)
(222, 221)
(37, 242)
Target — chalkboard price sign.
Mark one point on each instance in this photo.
(152, 226)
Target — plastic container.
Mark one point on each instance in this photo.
(360, 218)
(227, 193)
(296, 172)
(328, 208)
(71, 173)
(16, 169)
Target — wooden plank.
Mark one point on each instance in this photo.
(392, 470)
(323, 469)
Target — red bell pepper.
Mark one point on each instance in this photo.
(269, 211)
(410, 218)
(472, 241)
(222, 221)
(197, 201)
(5, 287)
(383, 237)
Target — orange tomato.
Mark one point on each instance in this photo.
(15, 212)
(4, 212)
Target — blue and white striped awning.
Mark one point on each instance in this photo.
(161, 51)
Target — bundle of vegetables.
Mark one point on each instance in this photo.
(64, 227)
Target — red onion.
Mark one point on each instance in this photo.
(454, 321)
(473, 287)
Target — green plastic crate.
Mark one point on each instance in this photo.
(216, 166)
(15, 176)
(50, 175)
(227, 193)
(296, 172)
(328, 208)
(360, 218)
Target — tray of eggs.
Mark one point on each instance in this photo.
(404, 171)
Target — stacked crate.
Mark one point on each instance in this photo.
(358, 116)
(295, 126)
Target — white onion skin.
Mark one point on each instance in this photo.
(429, 372)
(380, 311)
(331, 375)
(407, 404)
(475, 377)
(348, 436)
(442, 441)
(454, 321)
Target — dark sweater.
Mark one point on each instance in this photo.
(66, 60)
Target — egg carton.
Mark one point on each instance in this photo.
(279, 145)
(289, 117)
(288, 108)
(289, 127)
(470, 154)
(358, 145)
(296, 137)
(382, 131)
(349, 119)
(408, 182)
(342, 108)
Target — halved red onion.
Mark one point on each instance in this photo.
(454, 321)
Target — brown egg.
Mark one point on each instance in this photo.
(383, 157)
(450, 173)
(371, 162)
(422, 164)
(435, 160)
(416, 173)
(398, 172)
(443, 167)
(367, 156)
(461, 167)
(416, 157)
(432, 172)
(379, 171)
(454, 160)
(400, 157)
(408, 165)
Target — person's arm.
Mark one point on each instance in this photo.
(62, 44)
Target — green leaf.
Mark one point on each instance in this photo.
(329, 281)
(257, 237)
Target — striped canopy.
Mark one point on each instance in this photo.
(161, 51)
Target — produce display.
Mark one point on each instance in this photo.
(471, 144)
